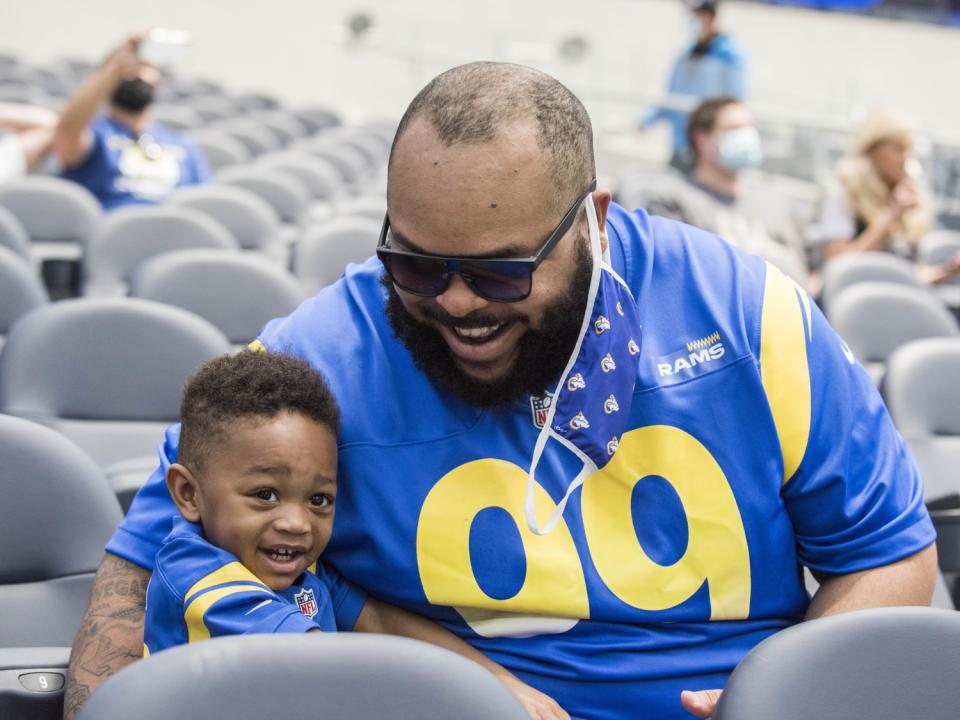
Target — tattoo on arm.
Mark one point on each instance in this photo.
(111, 634)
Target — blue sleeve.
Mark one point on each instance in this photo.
(151, 515)
(347, 599)
(852, 489)
(93, 169)
(200, 168)
(248, 611)
(734, 80)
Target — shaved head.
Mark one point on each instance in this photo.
(474, 104)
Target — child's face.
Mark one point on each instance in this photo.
(267, 495)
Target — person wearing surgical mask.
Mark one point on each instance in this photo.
(123, 157)
(722, 195)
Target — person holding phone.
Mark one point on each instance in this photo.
(123, 157)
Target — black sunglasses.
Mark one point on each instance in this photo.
(495, 279)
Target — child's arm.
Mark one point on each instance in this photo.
(381, 617)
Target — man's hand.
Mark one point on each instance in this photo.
(538, 705)
(701, 703)
(111, 634)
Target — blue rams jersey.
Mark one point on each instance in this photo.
(756, 444)
(198, 591)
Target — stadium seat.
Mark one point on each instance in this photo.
(940, 246)
(13, 236)
(325, 250)
(211, 109)
(282, 191)
(31, 682)
(852, 268)
(56, 514)
(316, 675)
(251, 101)
(364, 206)
(875, 318)
(317, 119)
(250, 219)
(321, 177)
(350, 162)
(285, 127)
(922, 390)
(220, 149)
(131, 235)
(236, 292)
(175, 116)
(58, 215)
(882, 664)
(254, 136)
(20, 290)
(107, 373)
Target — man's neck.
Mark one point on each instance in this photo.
(136, 122)
(719, 180)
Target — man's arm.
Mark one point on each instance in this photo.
(380, 617)
(111, 634)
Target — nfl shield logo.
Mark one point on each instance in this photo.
(540, 406)
(306, 602)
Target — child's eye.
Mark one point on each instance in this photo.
(265, 494)
(321, 500)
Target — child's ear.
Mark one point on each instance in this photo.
(184, 488)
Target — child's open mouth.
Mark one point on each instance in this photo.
(283, 557)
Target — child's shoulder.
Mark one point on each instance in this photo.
(188, 563)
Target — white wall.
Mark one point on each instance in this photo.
(826, 66)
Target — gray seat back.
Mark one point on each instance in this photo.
(940, 246)
(52, 209)
(13, 235)
(237, 292)
(105, 372)
(31, 682)
(881, 664)
(20, 289)
(875, 318)
(852, 268)
(285, 193)
(131, 235)
(56, 514)
(250, 219)
(325, 250)
(922, 391)
(316, 675)
(319, 176)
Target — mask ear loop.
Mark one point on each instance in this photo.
(588, 465)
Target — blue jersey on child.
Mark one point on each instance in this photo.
(122, 168)
(198, 591)
(755, 444)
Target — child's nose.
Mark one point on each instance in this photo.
(292, 519)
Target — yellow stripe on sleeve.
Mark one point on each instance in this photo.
(231, 572)
(783, 366)
(146, 651)
(193, 616)
(257, 346)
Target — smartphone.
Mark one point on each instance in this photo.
(164, 46)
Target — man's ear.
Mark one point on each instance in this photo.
(601, 203)
(184, 489)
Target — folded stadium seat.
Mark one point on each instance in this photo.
(212, 108)
(322, 675)
(18, 91)
(349, 161)
(60, 218)
(56, 514)
(852, 268)
(220, 149)
(13, 236)
(369, 141)
(107, 373)
(364, 206)
(285, 126)
(875, 318)
(317, 119)
(321, 178)
(130, 235)
(881, 664)
(20, 290)
(254, 136)
(285, 193)
(938, 247)
(324, 251)
(250, 219)
(236, 292)
(175, 116)
(255, 101)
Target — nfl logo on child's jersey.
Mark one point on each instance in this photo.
(306, 602)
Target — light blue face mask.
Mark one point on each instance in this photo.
(591, 403)
(740, 149)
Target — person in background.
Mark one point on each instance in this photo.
(716, 195)
(26, 135)
(878, 202)
(712, 65)
(123, 157)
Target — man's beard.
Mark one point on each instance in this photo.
(543, 353)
